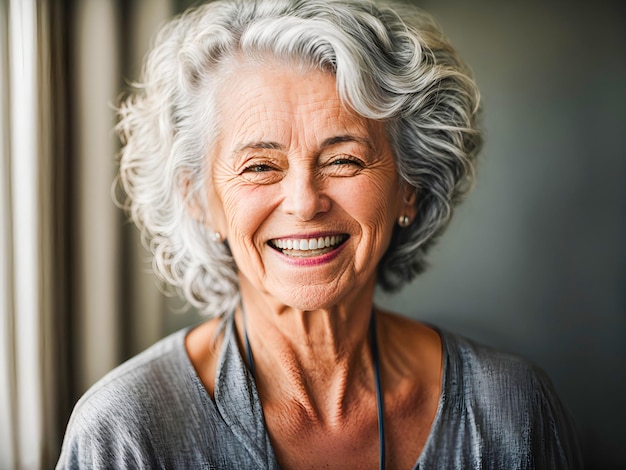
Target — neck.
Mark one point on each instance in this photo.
(320, 359)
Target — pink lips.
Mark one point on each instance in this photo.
(313, 260)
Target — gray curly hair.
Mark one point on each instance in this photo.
(391, 63)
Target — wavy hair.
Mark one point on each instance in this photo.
(391, 63)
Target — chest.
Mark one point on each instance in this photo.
(353, 443)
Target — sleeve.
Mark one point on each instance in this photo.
(516, 418)
(555, 440)
(106, 436)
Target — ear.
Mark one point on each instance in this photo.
(192, 205)
(215, 218)
(408, 207)
(204, 207)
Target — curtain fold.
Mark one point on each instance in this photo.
(8, 441)
(76, 295)
(23, 243)
(97, 222)
(144, 307)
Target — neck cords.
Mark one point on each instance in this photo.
(375, 359)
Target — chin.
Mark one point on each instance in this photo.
(311, 298)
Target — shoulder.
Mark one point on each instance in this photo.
(121, 417)
(487, 372)
(416, 346)
(491, 378)
(158, 370)
(509, 405)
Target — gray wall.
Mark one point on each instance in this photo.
(535, 260)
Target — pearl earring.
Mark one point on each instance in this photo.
(404, 221)
(216, 237)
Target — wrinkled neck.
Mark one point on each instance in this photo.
(320, 359)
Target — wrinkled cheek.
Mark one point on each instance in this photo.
(234, 212)
(245, 252)
(375, 242)
(377, 229)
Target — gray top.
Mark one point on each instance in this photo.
(496, 411)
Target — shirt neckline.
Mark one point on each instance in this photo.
(250, 428)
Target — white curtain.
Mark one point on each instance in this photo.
(27, 384)
(75, 294)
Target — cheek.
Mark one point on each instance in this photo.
(242, 221)
(245, 210)
(237, 213)
(377, 205)
(230, 197)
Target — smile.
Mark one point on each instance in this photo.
(307, 247)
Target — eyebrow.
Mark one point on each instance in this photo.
(260, 145)
(339, 139)
(346, 138)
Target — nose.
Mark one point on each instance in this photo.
(304, 196)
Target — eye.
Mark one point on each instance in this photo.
(261, 173)
(346, 161)
(258, 168)
(343, 165)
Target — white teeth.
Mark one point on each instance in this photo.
(309, 244)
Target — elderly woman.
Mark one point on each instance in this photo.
(283, 158)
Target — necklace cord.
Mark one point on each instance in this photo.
(379, 388)
(375, 359)
(247, 341)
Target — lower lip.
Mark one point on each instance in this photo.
(313, 260)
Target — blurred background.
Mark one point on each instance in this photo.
(533, 263)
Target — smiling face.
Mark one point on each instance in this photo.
(305, 190)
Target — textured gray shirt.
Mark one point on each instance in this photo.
(496, 411)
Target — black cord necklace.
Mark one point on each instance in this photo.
(375, 359)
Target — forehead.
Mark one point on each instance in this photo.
(285, 104)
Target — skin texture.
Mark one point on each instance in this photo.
(292, 162)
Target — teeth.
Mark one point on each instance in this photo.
(309, 244)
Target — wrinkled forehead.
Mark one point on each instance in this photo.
(286, 105)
